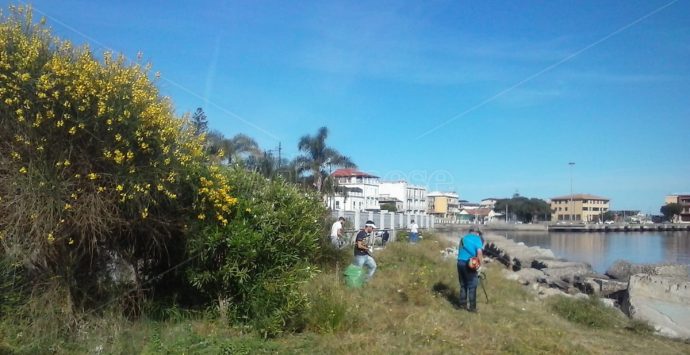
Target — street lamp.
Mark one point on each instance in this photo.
(572, 205)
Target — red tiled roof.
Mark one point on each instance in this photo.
(349, 172)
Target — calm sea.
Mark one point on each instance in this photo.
(601, 250)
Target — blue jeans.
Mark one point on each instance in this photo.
(362, 260)
(469, 279)
(414, 237)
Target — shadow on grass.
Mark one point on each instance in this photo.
(450, 294)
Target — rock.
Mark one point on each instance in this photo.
(662, 301)
(514, 255)
(544, 292)
(557, 283)
(509, 275)
(622, 270)
(529, 276)
(568, 273)
(600, 287)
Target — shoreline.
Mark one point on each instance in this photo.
(574, 227)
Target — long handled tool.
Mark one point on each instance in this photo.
(482, 279)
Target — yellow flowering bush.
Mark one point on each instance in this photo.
(94, 164)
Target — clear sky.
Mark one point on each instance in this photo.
(486, 98)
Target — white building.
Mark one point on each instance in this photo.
(413, 197)
(360, 191)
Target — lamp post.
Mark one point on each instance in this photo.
(572, 205)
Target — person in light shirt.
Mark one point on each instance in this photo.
(414, 232)
(337, 232)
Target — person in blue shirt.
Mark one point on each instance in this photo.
(470, 246)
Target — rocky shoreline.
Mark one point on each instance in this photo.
(657, 294)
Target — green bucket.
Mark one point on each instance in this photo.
(354, 276)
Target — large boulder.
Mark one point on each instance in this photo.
(602, 287)
(662, 301)
(622, 270)
(566, 270)
(514, 255)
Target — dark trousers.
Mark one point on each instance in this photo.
(469, 279)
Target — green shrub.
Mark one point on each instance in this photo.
(590, 312)
(328, 310)
(258, 261)
(95, 168)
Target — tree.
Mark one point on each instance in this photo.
(234, 150)
(670, 210)
(200, 122)
(95, 168)
(317, 155)
(524, 209)
(390, 207)
(608, 216)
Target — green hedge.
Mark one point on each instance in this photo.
(257, 262)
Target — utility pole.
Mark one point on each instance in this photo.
(280, 148)
(572, 205)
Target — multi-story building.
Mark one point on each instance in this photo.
(579, 208)
(443, 204)
(684, 202)
(488, 202)
(414, 198)
(359, 191)
(386, 200)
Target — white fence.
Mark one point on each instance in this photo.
(386, 220)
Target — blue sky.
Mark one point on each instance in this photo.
(486, 98)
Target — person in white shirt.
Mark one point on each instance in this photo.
(414, 232)
(337, 232)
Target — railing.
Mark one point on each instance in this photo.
(391, 221)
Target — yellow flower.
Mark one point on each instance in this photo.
(77, 176)
(16, 156)
(22, 170)
(109, 122)
(71, 241)
(119, 188)
(67, 162)
(60, 123)
(92, 176)
(145, 213)
(201, 216)
(67, 207)
(81, 125)
(51, 238)
(118, 137)
(72, 130)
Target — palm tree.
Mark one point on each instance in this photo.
(317, 155)
(235, 149)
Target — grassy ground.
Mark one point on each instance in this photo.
(407, 308)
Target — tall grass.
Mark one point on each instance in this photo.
(407, 308)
